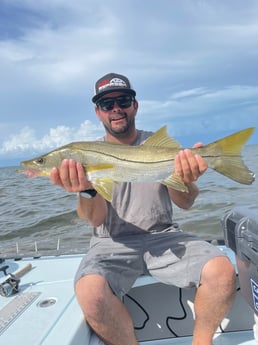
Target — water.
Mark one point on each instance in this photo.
(36, 214)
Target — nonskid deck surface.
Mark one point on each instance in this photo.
(234, 338)
(45, 310)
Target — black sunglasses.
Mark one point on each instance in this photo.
(107, 104)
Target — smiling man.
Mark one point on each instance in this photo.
(136, 234)
(112, 89)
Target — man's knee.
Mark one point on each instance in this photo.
(92, 292)
(219, 272)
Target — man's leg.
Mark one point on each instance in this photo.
(104, 312)
(214, 298)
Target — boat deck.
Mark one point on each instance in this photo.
(45, 310)
(236, 338)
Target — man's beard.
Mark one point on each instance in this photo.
(121, 131)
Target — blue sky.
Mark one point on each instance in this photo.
(193, 63)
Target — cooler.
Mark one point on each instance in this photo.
(241, 235)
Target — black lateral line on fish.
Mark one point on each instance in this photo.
(160, 161)
(130, 160)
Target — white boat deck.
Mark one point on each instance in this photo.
(45, 310)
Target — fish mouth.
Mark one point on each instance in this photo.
(29, 172)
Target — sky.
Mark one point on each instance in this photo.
(193, 64)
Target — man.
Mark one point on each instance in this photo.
(135, 234)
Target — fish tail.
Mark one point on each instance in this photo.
(224, 156)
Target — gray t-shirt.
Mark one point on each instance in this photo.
(137, 207)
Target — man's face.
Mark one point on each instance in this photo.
(117, 112)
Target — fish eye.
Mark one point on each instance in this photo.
(40, 160)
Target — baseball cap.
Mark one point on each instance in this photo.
(112, 82)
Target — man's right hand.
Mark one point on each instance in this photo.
(71, 176)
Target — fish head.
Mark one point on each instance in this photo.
(42, 165)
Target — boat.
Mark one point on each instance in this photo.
(38, 305)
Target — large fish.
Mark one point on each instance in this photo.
(107, 163)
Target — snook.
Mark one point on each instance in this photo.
(106, 163)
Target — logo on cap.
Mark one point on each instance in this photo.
(112, 82)
(115, 82)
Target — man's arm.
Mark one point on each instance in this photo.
(92, 210)
(189, 167)
(182, 199)
(72, 178)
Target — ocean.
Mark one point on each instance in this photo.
(37, 216)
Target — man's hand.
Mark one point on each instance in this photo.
(71, 176)
(190, 166)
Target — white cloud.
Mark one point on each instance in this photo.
(26, 140)
(200, 101)
(200, 109)
(194, 110)
(20, 141)
(188, 93)
(193, 64)
(56, 53)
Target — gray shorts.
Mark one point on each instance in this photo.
(172, 257)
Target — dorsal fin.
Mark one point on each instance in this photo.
(162, 139)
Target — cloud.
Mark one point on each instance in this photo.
(64, 42)
(192, 63)
(200, 101)
(196, 110)
(202, 110)
(26, 142)
(61, 47)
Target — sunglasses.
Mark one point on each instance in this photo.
(107, 104)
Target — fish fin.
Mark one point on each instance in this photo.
(96, 167)
(104, 187)
(175, 181)
(225, 156)
(162, 139)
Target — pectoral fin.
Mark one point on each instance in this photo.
(175, 181)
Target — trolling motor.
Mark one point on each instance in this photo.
(9, 284)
